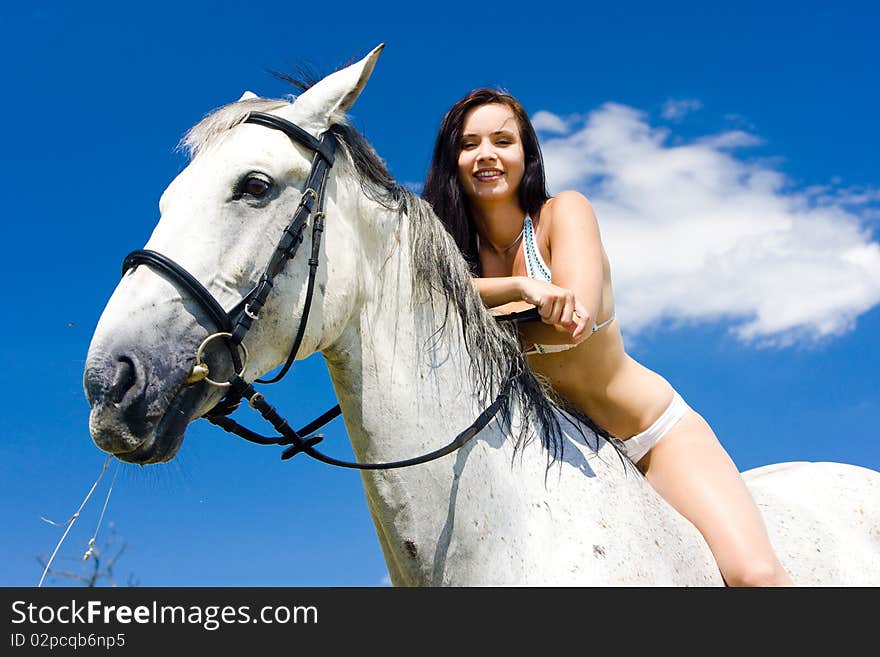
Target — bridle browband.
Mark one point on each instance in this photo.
(234, 325)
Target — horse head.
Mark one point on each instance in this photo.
(221, 220)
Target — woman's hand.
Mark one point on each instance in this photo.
(557, 307)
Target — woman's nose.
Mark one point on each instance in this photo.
(486, 152)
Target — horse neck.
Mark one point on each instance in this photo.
(404, 391)
(401, 377)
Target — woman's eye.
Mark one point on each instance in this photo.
(255, 187)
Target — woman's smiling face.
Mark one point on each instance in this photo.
(491, 161)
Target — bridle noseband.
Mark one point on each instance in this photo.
(233, 325)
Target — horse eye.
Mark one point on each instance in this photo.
(256, 187)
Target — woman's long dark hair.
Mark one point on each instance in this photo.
(443, 189)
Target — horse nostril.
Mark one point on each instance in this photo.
(124, 378)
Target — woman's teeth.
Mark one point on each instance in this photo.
(488, 175)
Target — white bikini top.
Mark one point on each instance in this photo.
(536, 268)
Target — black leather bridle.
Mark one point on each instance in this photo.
(234, 325)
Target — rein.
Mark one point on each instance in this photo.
(234, 325)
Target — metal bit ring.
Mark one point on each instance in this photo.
(200, 369)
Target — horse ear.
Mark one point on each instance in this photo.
(335, 93)
(247, 95)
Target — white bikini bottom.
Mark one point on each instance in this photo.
(640, 444)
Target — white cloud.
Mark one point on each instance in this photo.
(678, 109)
(548, 122)
(697, 234)
(731, 139)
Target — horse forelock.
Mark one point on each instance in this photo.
(222, 120)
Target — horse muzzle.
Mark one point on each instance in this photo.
(141, 405)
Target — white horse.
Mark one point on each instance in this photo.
(414, 357)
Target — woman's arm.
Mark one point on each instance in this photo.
(569, 305)
(576, 250)
(577, 259)
(564, 318)
(499, 290)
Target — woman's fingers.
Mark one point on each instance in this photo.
(583, 326)
(558, 307)
(567, 317)
(547, 308)
(564, 313)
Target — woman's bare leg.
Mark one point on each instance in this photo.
(690, 469)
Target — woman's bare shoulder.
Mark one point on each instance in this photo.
(568, 199)
(568, 207)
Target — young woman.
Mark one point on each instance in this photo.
(487, 185)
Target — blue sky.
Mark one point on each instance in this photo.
(739, 119)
